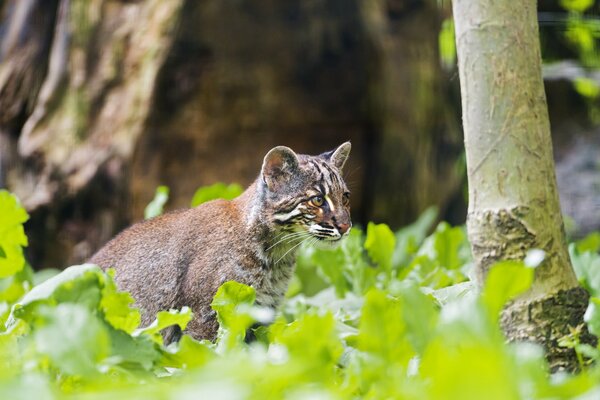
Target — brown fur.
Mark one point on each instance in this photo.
(181, 258)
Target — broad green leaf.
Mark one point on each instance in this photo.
(12, 234)
(216, 191)
(155, 207)
(587, 87)
(361, 274)
(468, 370)
(73, 338)
(443, 259)
(12, 288)
(591, 243)
(592, 316)
(331, 265)
(132, 352)
(587, 268)
(505, 281)
(380, 243)
(382, 329)
(28, 386)
(116, 308)
(163, 320)
(325, 346)
(447, 44)
(576, 5)
(232, 303)
(420, 316)
(447, 244)
(78, 284)
(187, 353)
(410, 238)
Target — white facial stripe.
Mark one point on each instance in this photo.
(286, 216)
(318, 229)
(330, 203)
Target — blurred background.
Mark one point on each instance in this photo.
(101, 101)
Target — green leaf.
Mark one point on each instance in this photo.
(410, 238)
(576, 5)
(132, 351)
(325, 346)
(12, 234)
(447, 44)
(232, 303)
(116, 308)
(155, 207)
(447, 244)
(187, 353)
(505, 281)
(592, 316)
(331, 266)
(216, 191)
(380, 243)
(165, 319)
(587, 268)
(77, 284)
(72, 337)
(587, 87)
(590, 243)
(382, 330)
(421, 319)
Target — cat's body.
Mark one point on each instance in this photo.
(181, 258)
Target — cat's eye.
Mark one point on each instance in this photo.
(346, 199)
(317, 201)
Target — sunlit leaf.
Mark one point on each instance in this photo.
(380, 243)
(505, 280)
(592, 316)
(12, 234)
(155, 207)
(587, 87)
(590, 243)
(73, 338)
(587, 268)
(447, 44)
(382, 329)
(216, 191)
(576, 5)
(232, 303)
(165, 319)
(116, 307)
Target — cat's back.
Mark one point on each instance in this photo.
(151, 257)
(168, 233)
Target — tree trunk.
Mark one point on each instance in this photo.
(513, 200)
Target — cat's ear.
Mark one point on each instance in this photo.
(279, 165)
(339, 156)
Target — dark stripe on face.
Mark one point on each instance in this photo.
(332, 173)
(325, 175)
(322, 189)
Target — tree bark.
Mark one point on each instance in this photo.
(513, 200)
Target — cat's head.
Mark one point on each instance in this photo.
(307, 194)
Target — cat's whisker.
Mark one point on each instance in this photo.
(288, 238)
(292, 248)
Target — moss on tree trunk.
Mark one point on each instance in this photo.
(513, 200)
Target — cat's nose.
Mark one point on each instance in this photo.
(343, 228)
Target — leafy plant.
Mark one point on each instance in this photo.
(155, 207)
(385, 315)
(217, 191)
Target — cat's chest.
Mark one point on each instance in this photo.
(273, 283)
